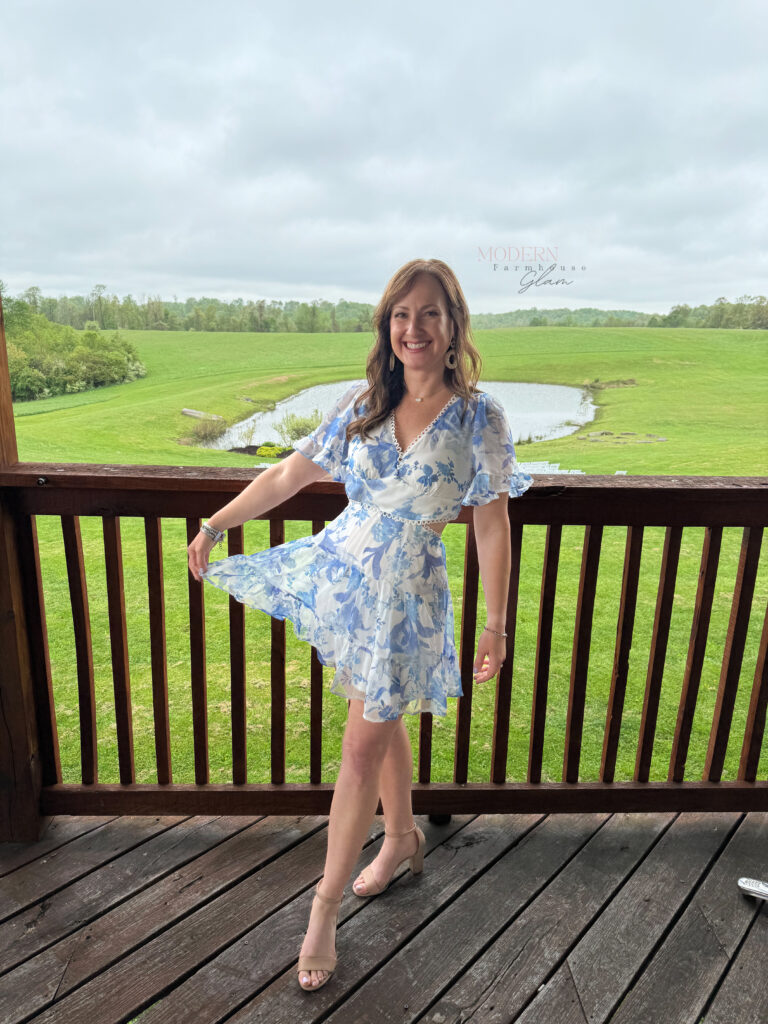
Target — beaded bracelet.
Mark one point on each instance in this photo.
(217, 536)
(495, 631)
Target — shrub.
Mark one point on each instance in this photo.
(67, 361)
(28, 384)
(293, 426)
(205, 431)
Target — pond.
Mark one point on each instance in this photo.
(536, 412)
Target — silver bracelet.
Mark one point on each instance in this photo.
(495, 631)
(217, 536)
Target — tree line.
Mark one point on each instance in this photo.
(110, 312)
(205, 314)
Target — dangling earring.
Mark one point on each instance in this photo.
(391, 362)
(450, 359)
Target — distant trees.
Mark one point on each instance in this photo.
(205, 314)
(320, 317)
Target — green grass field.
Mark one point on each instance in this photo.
(704, 391)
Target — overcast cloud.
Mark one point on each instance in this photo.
(302, 150)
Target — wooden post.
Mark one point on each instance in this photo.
(20, 774)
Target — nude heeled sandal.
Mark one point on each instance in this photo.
(319, 963)
(372, 887)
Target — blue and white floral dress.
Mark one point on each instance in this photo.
(370, 591)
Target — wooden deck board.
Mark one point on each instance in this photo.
(530, 918)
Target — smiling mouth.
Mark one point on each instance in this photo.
(416, 346)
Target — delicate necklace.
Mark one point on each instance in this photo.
(424, 396)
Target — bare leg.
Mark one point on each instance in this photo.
(355, 796)
(395, 791)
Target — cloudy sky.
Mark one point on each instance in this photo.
(302, 150)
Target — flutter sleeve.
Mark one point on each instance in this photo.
(327, 445)
(494, 466)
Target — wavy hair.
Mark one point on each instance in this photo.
(386, 387)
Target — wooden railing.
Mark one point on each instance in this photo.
(31, 774)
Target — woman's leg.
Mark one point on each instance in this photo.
(353, 806)
(395, 791)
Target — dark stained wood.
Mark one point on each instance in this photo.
(39, 655)
(665, 596)
(743, 592)
(78, 594)
(78, 487)
(237, 674)
(424, 754)
(624, 630)
(604, 500)
(710, 554)
(9, 453)
(755, 729)
(502, 890)
(590, 561)
(187, 864)
(277, 676)
(428, 798)
(59, 831)
(20, 774)
(158, 652)
(640, 915)
(40, 879)
(583, 914)
(22, 687)
(118, 636)
(468, 632)
(522, 956)
(316, 700)
(543, 652)
(738, 999)
(502, 708)
(198, 672)
(705, 937)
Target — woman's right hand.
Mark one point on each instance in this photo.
(197, 553)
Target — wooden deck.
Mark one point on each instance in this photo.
(532, 918)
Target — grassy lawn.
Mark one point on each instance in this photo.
(701, 390)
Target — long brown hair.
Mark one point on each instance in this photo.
(386, 387)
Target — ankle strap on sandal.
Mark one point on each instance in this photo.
(396, 835)
(327, 899)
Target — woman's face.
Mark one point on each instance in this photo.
(420, 318)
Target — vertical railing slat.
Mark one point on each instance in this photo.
(466, 656)
(118, 641)
(40, 661)
(86, 698)
(277, 676)
(702, 611)
(502, 709)
(664, 598)
(625, 627)
(543, 650)
(197, 667)
(237, 672)
(743, 592)
(755, 728)
(158, 647)
(315, 701)
(574, 726)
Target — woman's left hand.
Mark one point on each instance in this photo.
(491, 652)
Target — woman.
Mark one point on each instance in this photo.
(370, 591)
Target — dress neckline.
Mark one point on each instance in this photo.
(400, 453)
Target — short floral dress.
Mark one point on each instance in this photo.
(370, 591)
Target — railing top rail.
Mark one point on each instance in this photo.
(109, 476)
(38, 488)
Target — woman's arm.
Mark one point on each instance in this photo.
(268, 489)
(492, 538)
